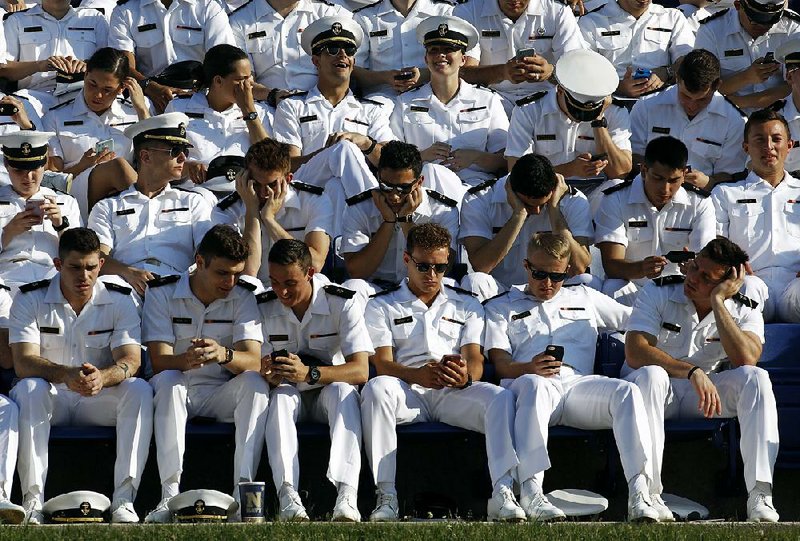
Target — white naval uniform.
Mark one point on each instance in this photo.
(792, 116)
(765, 223)
(745, 392)
(9, 416)
(172, 314)
(658, 38)
(109, 320)
(305, 209)
(159, 234)
(626, 217)
(523, 327)
(273, 42)
(9, 126)
(713, 137)
(332, 329)
(484, 213)
(29, 255)
(104, 7)
(420, 334)
(159, 36)
(695, 14)
(474, 119)
(547, 26)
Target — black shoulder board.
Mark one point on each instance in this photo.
(442, 198)
(737, 107)
(485, 87)
(237, 9)
(777, 106)
(460, 290)
(33, 286)
(363, 196)
(3, 286)
(717, 15)
(163, 280)
(227, 201)
(339, 291)
(118, 288)
(619, 102)
(373, 102)
(741, 175)
(618, 187)
(120, 2)
(183, 97)
(669, 280)
(692, 188)
(747, 301)
(112, 194)
(10, 13)
(267, 296)
(362, 8)
(385, 291)
(62, 104)
(324, 2)
(482, 186)
(532, 98)
(790, 14)
(19, 97)
(444, 2)
(495, 297)
(310, 188)
(598, 8)
(245, 284)
(413, 88)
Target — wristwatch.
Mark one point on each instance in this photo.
(314, 375)
(250, 116)
(63, 226)
(408, 219)
(601, 123)
(228, 356)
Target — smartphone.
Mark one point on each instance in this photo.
(688, 168)
(769, 58)
(279, 353)
(100, 146)
(405, 76)
(525, 53)
(679, 256)
(642, 73)
(455, 358)
(601, 156)
(36, 206)
(8, 109)
(555, 351)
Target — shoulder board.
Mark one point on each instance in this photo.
(669, 280)
(363, 196)
(460, 290)
(187, 190)
(485, 87)
(267, 296)
(121, 2)
(618, 187)
(163, 280)
(598, 8)
(237, 9)
(33, 286)
(339, 291)
(3, 286)
(19, 97)
(532, 98)
(385, 291)
(441, 198)
(741, 175)
(717, 15)
(699, 191)
(777, 106)
(60, 191)
(413, 88)
(793, 15)
(373, 102)
(62, 104)
(737, 107)
(482, 186)
(495, 297)
(183, 97)
(619, 102)
(245, 284)
(118, 288)
(324, 2)
(10, 13)
(362, 8)
(227, 201)
(444, 2)
(747, 301)
(112, 194)
(310, 188)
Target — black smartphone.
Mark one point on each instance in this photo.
(405, 76)
(769, 58)
(679, 256)
(525, 53)
(556, 352)
(601, 156)
(279, 353)
(8, 109)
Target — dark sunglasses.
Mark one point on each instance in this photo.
(404, 189)
(541, 275)
(175, 150)
(333, 50)
(439, 268)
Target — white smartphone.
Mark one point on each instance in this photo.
(108, 144)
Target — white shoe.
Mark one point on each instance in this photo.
(539, 509)
(760, 508)
(291, 507)
(10, 513)
(664, 513)
(640, 509)
(123, 513)
(503, 507)
(346, 508)
(387, 508)
(161, 514)
(33, 512)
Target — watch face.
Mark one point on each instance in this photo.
(314, 374)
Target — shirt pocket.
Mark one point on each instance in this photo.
(638, 232)
(82, 39)
(612, 39)
(746, 218)
(473, 129)
(791, 213)
(260, 41)
(278, 341)
(34, 44)
(548, 144)
(671, 336)
(325, 341)
(51, 341)
(419, 128)
(313, 134)
(575, 324)
(657, 37)
(675, 240)
(403, 327)
(707, 148)
(74, 144)
(189, 33)
(380, 40)
(96, 341)
(177, 217)
(147, 34)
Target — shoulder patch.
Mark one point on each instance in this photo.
(482, 186)
(339, 291)
(532, 98)
(669, 280)
(495, 297)
(121, 2)
(33, 286)
(324, 2)
(699, 191)
(3, 286)
(118, 288)
(112, 194)
(266, 296)
(228, 201)
(385, 291)
(237, 9)
(744, 115)
(793, 15)
(373, 102)
(747, 301)
(441, 198)
(10, 13)
(163, 280)
(62, 104)
(460, 290)
(777, 106)
(362, 8)
(598, 8)
(716, 15)
(618, 187)
(245, 284)
(363, 196)
(310, 188)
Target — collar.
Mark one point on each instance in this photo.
(292, 199)
(314, 95)
(518, 293)
(405, 296)
(182, 289)
(81, 108)
(638, 196)
(319, 300)
(168, 191)
(788, 179)
(677, 295)
(54, 295)
(264, 8)
(499, 191)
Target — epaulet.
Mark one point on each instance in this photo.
(669, 280)
(62, 104)
(460, 290)
(413, 88)
(118, 288)
(741, 299)
(267, 296)
(373, 102)
(324, 2)
(736, 106)
(363, 196)
(183, 96)
(385, 291)
(339, 291)
(484, 302)
(482, 186)
(10, 13)
(112, 194)
(33, 286)
(790, 14)
(441, 198)
(247, 285)
(310, 188)
(532, 98)
(235, 10)
(716, 15)
(485, 87)
(227, 201)
(598, 8)
(121, 2)
(777, 106)
(187, 190)
(3, 286)
(448, 2)
(692, 188)
(618, 187)
(20, 97)
(163, 280)
(62, 192)
(618, 102)
(362, 8)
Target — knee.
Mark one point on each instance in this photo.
(526, 387)
(651, 378)
(756, 377)
(138, 389)
(251, 383)
(789, 305)
(340, 391)
(29, 391)
(378, 389)
(347, 147)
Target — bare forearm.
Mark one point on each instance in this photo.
(355, 372)
(488, 256)
(760, 100)
(256, 131)
(364, 263)
(580, 259)
(14, 71)
(165, 361)
(484, 75)
(639, 353)
(397, 370)
(623, 269)
(243, 361)
(32, 366)
(252, 236)
(491, 161)
(620, 161)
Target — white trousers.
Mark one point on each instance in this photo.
(745, 392)
(9, 442)
(242, 399)
(387, 401)
(128, 406)
(783, 288)
(586, 402)
(336, 404)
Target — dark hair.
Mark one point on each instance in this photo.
(533, 176)
(397, 155)
(78, 239)
(111, 61)
(667, 151)
(269, 155)
(429, 236)
(762, 116)
(699, 70)
(219, 60)
(725, 252)
(223, 241)
(290, 252)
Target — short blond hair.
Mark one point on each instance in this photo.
(553, 245)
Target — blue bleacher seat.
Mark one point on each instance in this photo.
(781, 358)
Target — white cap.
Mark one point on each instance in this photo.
(76, 507)
(169, 128)
(586, 75)
(339, 30)
(26, 149)
(202, 506)
(443, 30)
(789, 52)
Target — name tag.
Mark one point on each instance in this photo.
(671, 327)
(745, 201)
(457, 322)
(126, 212)
(418, 109)
(182, 320)
(176, 209)
(218, 321)
(103, 331)
(308, 118)
(255, 35)
(546, 137)
(73, 123)
(146, 27)
(471, 109)
(326, 335)
(637, 223)
(521, 315)
(378, 33)
(402, 320)
(278, 337)
(33, 29)
(50, 330)
(657, 129)
(490, 33)
(734, 52)
(609, 33)
(192, 28)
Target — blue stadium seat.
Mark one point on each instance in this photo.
(781, 358)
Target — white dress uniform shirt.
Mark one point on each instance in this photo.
(714, 136)
(724, 36)
(792, 116)
(159, 36)
(628, 218)
(29, 255)
(34, 35)
(473, 119)
(273, 42)
(483, 214)
(547, 26)
(362, 221)
(216, 133)
(158, 234)
(104, 7)
(541, 127)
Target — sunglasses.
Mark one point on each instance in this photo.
(174, 151)
(439, 268)
(404, 189)
(541, 275)
(333, 50)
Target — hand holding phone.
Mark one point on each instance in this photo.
(597, 157)
(279, 353)
(36, 206)
(557, 352)
(525, 53)
(8, 109)
(642, 73)
(769, 58)
(404, 76)
(107, 144)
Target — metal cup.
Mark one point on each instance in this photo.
(251, 498)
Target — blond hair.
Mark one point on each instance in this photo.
(556, 246)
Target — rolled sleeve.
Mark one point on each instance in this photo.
(127, 324)
(476, 217)
(353, 330)
(609, 223)
(247, 322)
(100, 222)
(379, 332)
(520, 132)
(156, 318)
(646, 316)
(472, 333)
(496, 335)
(23, 327)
